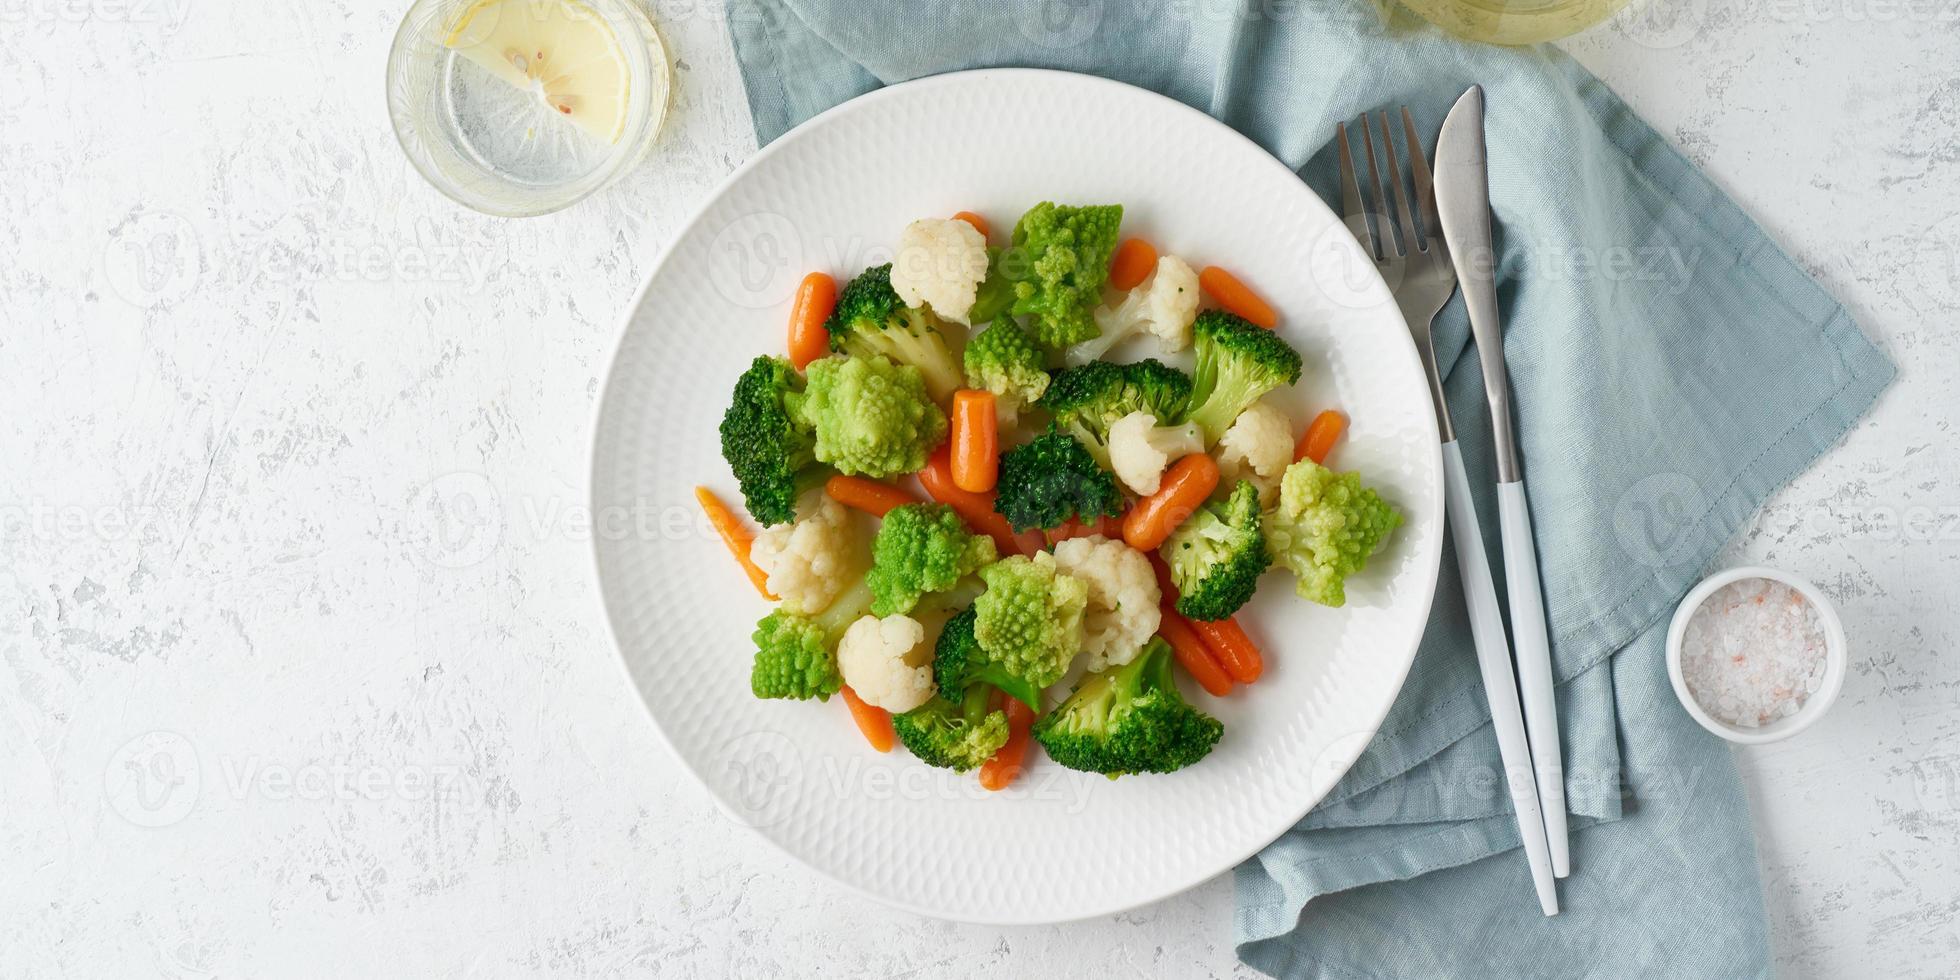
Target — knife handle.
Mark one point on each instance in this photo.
(1494, 663)
(1534, 665)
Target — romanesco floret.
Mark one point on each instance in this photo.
(1326, 526)
(922, 548)
(1004, 361)
(795, 655)
(1059, 261)
(1029, 621)
(1237, 362)
(1217, 556)
(1161, 306)
(871, 417)
(958, 663)
(1122, 613)
(767, 441)
(1129, 719)
(956, 735)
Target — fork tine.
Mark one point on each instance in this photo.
(1402, 212)
(1419, 174)
(1378, 207)
(1351, 209)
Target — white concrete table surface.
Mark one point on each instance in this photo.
(300, 667)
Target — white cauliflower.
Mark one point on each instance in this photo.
(1258, 447)
(1123, 595)
(1163, 305)
(940, 263)
(811, 561)
(1140, 449)
(887, 662)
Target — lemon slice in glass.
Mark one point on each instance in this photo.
(562, 50)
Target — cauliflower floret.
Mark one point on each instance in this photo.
(1140, 449)
(811, 561)
(940, 263)
(887, 662)
(1122, 614)
(1258, 447)
(1163, 305)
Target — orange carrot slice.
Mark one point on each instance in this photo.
(1190, 650)
(979, 224)
(1186, 485)
(1237, 296)
(1321, 435)
(1132, 264)
(871, 496)
(996, 773)
(874, 722)
(977, 509)
(975, 441)
(735, 535)
(816, 297)
(1235, 651)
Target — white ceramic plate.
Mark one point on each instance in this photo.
(832, 195)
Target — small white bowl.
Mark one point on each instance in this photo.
(1835, 658)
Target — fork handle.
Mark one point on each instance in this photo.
(1494, 663)
(1534, 665)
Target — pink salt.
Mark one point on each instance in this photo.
(1753, 652)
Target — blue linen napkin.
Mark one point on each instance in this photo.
(1671, 368)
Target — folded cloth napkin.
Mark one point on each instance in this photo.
(1671, 368)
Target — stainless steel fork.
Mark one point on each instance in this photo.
(1406, 242)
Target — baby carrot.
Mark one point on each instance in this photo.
(870, 496)
(735, 536)
(1135, 259)
(816, 296)
(1236, 296)
(1186, 485)
(979, 224)
(1000, 770)
(1321, 435)
(975, 441)
(1191, 651)
(1235, 651)
(875, 723)
(977, 509)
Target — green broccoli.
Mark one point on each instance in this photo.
(1129, 718)
(958, 663)
(1029, 621)
(1087, 400)
(871, 417)
(1217, 556)
(796, 655)
(1002, 360)
(871, 320)
(921, 548)
(1051, 478)
(956, 735)
(1237, 361)
(1326, 526)
(1058, 261)
(768, 443)
(994, 297)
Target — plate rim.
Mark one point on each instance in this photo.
(1430, 563)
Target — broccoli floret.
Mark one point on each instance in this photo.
(870, 319)
(1129, 718)
(1326, 526)
(767, 442)
(1217, 556)
(1029, 621)
(921, 548)
(959, 663)
(1051, 478)
(1087, 400)
(796, 655)
(1002, 360)
(1058, 262)
(1237, 361)
(956, 735)
(995, 295)
(871, 417)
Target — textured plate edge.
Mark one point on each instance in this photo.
(1431, 561)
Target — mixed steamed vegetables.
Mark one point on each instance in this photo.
(1077, 511)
